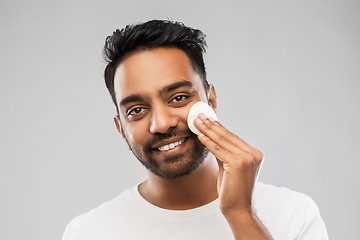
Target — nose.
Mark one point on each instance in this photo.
(162, 119)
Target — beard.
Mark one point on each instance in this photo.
(178, 165)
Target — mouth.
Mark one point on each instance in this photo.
(170, 146)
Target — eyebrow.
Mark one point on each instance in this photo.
(175, 86)
(166, 89)
(131, 98)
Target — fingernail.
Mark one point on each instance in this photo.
(201, 134)
(213, 120)
(199, 121)
(202, 116)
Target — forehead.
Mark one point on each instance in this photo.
(147, 72)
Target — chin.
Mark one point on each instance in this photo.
(178, 169)
(179, 165)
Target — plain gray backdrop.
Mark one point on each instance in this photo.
(287, 79)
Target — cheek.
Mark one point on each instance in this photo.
(185, 114)
(135, 133)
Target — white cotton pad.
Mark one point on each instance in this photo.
(195, 110)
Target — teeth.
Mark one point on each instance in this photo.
(171, 145)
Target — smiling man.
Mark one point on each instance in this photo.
(198, 186)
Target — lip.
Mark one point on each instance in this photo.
(168, 141)
(167, 155)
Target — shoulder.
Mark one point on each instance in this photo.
(119, 204)
(269, 194)
(87, 225)
(269, 199)
(288, 212)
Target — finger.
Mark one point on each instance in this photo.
(241, 160)
(222, 136)
(219, 152)
(216, 132)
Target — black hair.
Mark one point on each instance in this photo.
(150, 35)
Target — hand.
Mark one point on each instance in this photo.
(238, 165)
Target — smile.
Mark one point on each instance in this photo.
(171, 145)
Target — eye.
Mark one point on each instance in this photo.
(135, 111)
(179, 98)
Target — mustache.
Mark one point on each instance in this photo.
(158, 137)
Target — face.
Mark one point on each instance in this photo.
(155, 90)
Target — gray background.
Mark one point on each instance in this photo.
(286, 74)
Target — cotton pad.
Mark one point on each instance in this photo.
(195, 110)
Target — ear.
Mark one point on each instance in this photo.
(119, 128)
(212, 97)
(118, 125)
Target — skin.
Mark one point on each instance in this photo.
(228, 173)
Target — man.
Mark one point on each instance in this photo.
(199, 186)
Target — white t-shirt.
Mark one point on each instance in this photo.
(286, 214)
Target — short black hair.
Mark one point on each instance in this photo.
(150, 35)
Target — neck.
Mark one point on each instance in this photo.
(187, 192)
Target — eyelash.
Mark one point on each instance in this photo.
(183, 97)
(129, 113)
